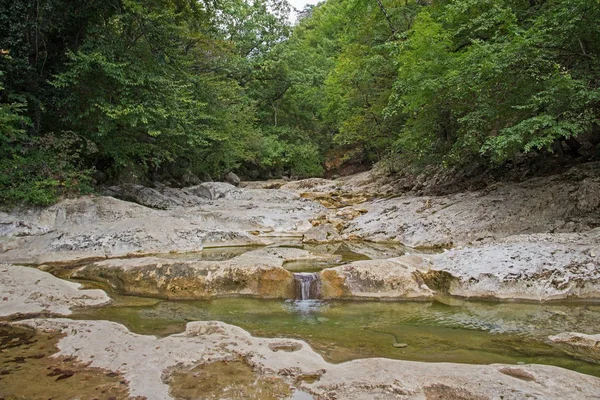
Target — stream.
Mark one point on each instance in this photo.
(444, 330)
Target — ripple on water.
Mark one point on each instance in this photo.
(472, 332)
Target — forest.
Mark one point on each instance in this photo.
(174, 91)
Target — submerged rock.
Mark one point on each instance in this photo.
(160, 368)
(579, 345)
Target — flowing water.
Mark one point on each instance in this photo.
(307, 285)
(445, 330)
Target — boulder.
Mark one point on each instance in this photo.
(323, 233)
(375, 279)
(232, 178)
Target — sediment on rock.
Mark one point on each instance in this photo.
(579, 345)
(153, 365)
(30, 369)
(258, 273)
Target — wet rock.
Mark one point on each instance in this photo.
(233, 379)
(258, 273)
(30, 370)
(579, 345)
(27, 290)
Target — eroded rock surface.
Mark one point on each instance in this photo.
(378, 279)
(258, 273)
(26, 290)
(209, 215)
(579, 345)
(559, 203)
(522, 267)
(153, 367)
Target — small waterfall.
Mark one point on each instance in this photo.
(307, 285)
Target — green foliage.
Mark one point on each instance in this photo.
(287, 149)
(42, 173)
(36, 170)
(172, 86)
(496, 78)
(144, 84)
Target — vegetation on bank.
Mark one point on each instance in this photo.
(108, 91)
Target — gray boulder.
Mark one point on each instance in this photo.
(232, 178)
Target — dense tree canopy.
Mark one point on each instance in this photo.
(109, 91)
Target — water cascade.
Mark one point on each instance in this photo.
(307, 285)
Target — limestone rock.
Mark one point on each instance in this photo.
(25, 290)
(559, 203)
(323, 233)
(142, 195)
(211, 214)
(579, 345)
(379, 279)
(526, 267)
(311, 185)
(189, 179)
(147, 363)
(259, 273)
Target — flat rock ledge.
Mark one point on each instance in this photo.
(562, 203)
(157, 367)
(259, 273)
(209, 215)
(25, 290)
(524, 267)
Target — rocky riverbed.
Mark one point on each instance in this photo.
(534, 241)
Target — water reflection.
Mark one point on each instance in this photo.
(469, 332)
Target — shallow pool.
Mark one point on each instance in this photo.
(440, 331)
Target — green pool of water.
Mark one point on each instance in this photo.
(467, 332)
